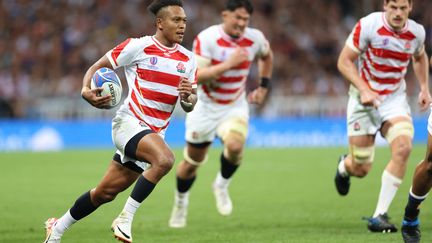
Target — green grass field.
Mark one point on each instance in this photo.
(279, 195)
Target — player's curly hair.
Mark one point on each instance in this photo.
(232, 5)
(156, 5)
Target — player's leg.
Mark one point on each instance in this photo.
(357, 163)
(149, 147)
(116, 179)
(233, 133)
(362, 125)
(194, 155)
(421, 185)
(399, 133)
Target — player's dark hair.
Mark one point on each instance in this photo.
(387, 1)
(232, 5)
(156, 5)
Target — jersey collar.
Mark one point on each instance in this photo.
(162, 47)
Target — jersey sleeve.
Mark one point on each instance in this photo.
(124, 53)
(193, 73)
(359, 39)
(263, 44)
(202, 47)
(420, 41)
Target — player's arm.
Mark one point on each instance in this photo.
(188, 97)
(208, 72)
(265, 69)
(421, 70)
(91, 95)
(347, 67)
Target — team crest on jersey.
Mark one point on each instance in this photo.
(181, 67)
(407, 45)
(153, 60)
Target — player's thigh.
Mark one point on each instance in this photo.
(154, 149)
(196, 151)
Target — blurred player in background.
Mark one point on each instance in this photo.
(421, 185)
(158, 70)
(383, 43)
(224, 54)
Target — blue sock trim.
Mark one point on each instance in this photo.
(411, 223)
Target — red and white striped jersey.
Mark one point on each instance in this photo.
(153, 72)
(214, 44)
(385, 53)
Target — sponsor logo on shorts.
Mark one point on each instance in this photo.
(356, 126)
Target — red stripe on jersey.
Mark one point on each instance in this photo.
(177, 55)
(245, 42)
(384, 68)
(156, 96)
(162, 115)
(356, 37)
(380, 92)
(243, 65)
(380, 80)
(158, 77)
(219, 101)
(226, 91)
(236, 79)
(405, 36)
(154, 128)
(118, 49)
(383, 53)
(223, 43)
(197, 46)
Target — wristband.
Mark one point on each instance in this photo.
(265, 82)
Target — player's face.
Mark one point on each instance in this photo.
(235, 22)
(397, 13)
(173, 24)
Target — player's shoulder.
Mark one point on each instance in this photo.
(416, 28)
(139, 41)
(186, 52)
(253, 33)
(210, 31)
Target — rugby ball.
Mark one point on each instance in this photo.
(110, 82)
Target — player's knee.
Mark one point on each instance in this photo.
(164, 162)
(403, 150)
(234, 143)
(362, 155)
(193, 161)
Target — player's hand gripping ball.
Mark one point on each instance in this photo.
(111, 84)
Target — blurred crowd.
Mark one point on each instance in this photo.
(47, 45)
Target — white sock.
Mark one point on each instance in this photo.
(64, 223)
(389, 186)
(221, 182)
(131, 207)
(342, 169)
(181, 198)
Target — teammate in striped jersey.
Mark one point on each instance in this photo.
(158, 71)
(383, 43)
(224, 54)
(421, 185)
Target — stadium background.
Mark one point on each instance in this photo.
(46, 46)
(280, 194)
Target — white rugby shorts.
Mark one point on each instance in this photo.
(124, 128)
(366, 120)
(204, 121)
